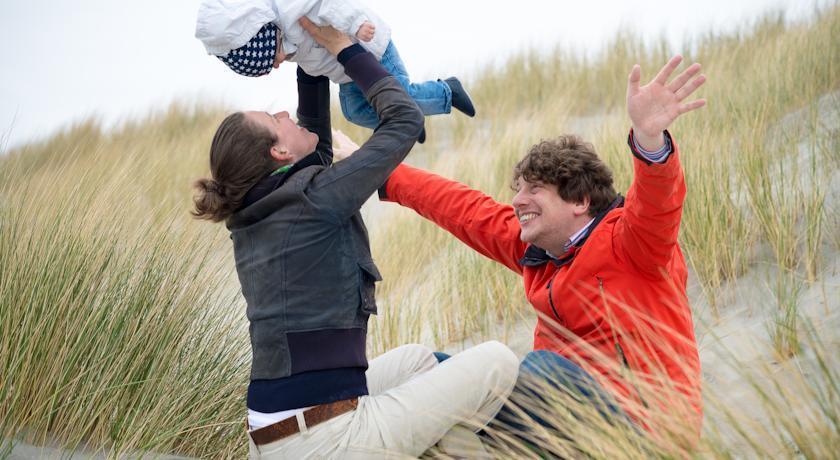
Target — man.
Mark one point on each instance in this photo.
(605, 274)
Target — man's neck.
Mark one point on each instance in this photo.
(575, 237)
(571, 239)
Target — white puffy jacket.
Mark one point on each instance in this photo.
(224, 25)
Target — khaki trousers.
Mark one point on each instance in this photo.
(414, 402)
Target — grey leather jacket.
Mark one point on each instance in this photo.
(302, 252)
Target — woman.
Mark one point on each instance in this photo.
(304, 263)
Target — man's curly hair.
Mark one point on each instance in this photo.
(573, 166)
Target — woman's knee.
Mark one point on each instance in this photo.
(421, 356)
(500, 360)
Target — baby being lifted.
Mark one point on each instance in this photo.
(254, 36)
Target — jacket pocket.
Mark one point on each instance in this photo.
(368, 276)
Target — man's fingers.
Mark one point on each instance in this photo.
(692, 105)
(686, 90)
(665, 73)
(633, 80)
(683, 77)
(340, 137)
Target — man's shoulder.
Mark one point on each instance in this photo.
(608, 223)
(603, 235)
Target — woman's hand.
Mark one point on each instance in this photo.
(326, 36)
(343, 146)
(653, 107)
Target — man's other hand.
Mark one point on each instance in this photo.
(343, 146)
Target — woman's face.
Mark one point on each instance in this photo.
(291, 138)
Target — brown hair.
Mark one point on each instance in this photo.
(240, 156)
(573, 166)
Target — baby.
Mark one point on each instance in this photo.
(254, 36)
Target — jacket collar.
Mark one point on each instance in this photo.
(536, 256)
(270, 183)
(258, 202)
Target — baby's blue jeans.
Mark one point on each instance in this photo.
(433, 97)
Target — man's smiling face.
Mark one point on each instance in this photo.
(546, 220)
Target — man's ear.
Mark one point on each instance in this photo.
(279, 153)
(582, 207)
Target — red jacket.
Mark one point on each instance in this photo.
(619, 302)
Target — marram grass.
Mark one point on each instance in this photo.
(122, 328)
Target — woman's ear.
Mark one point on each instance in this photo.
(279, 153)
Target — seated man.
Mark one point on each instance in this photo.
(605, 273)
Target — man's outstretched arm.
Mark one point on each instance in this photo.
(648, 233)
(482, 223)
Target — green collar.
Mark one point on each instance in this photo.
(282, 169)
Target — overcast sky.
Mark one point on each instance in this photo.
(65, 60)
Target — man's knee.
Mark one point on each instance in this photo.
(543, 370)
(536, 357)
(546, 362)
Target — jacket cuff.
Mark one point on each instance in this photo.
(347, 53)
(361, 66)
(383, 191)
(304, 77)
(313, 95)
(636, 153)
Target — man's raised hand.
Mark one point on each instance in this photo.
(343, 146)
(653, 107)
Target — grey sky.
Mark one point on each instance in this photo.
(64, 60)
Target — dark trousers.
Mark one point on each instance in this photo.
(544, 379)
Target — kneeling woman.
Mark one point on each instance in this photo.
(304, 263)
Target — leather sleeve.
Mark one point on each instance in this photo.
(314, 111)
(344, 187)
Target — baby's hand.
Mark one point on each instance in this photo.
(343, 146)
(366, 31)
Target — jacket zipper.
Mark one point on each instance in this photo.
(620, 352)
(618, 349)
(551, 300)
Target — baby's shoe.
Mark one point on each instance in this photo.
(460, 98)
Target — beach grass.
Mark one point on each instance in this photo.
(122, 327)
